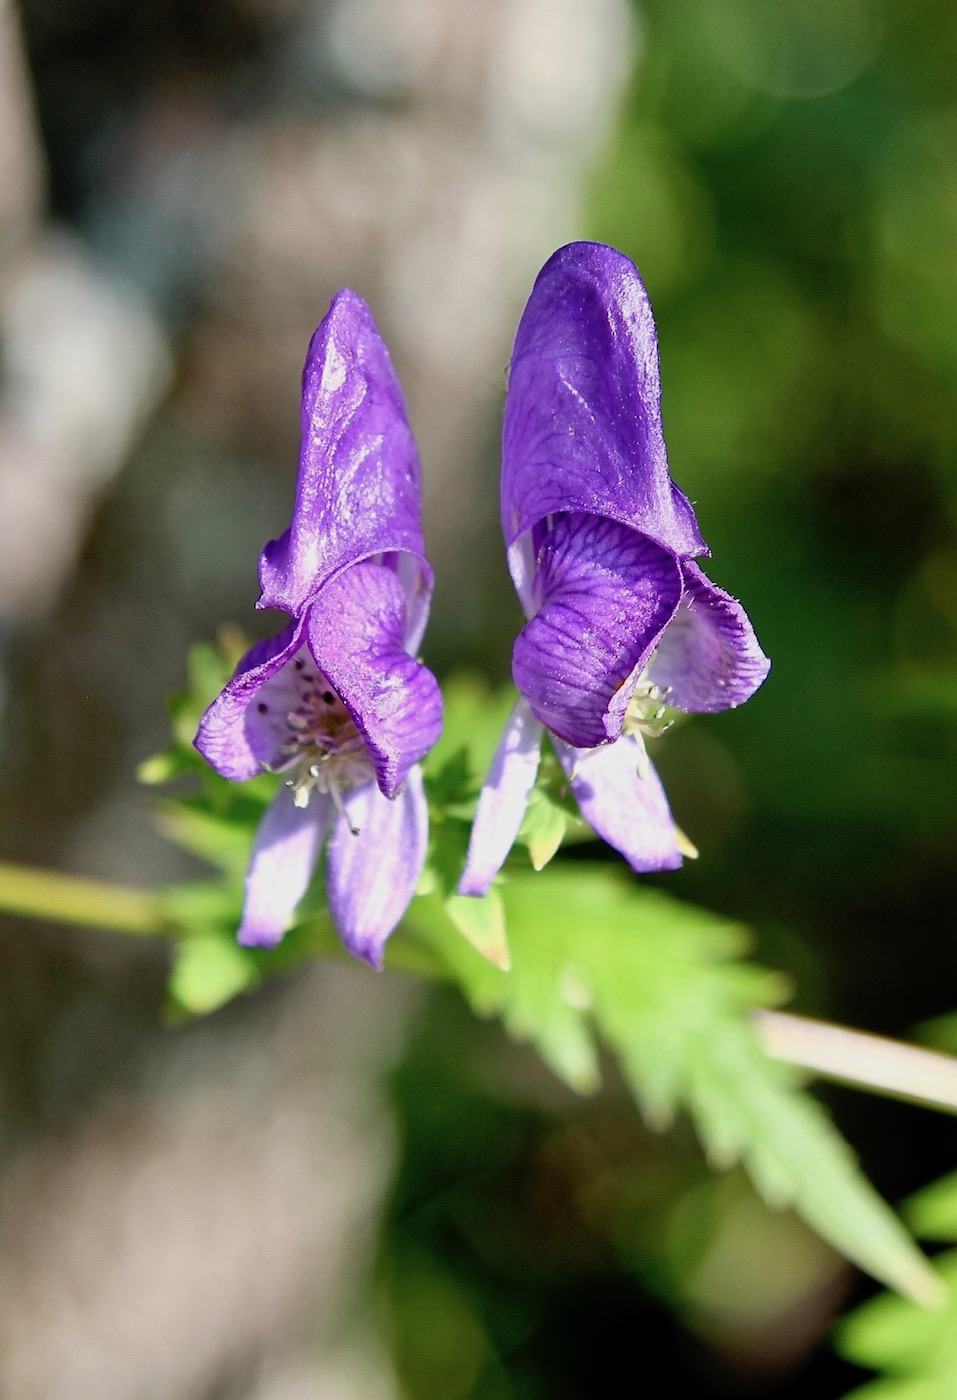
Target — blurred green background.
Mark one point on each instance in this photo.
(784, 174)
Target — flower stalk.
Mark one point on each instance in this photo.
(72, 899)
(874, 1063)
(871, 1062)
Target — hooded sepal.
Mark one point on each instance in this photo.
(357, 494)
(583, 413)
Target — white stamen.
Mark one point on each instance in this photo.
(643, 767)
(647, 713)
(319, 744)
(340, 807)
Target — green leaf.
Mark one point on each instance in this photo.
(218, 839)
(473, 720)
(932, 1213)
(201, 905)
(164, 767)
(482, 922)
(916, 1348)
(208, 972)
(543, 829)
(596, 958)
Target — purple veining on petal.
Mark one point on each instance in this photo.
(337, 702)
(358, 489)
(606, 595)
(708, 658)
(284, 854)
(630, 812)
(356, 633)
(503, 800)
(600, 545)
(582, 425)
(318, 743)
(371, 877)
(234, 736)
(415, 575)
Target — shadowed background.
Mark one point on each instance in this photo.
(339, 1186)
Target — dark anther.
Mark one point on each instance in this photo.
(328, 697)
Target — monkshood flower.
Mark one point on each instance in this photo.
(622, 623)
(338, 702)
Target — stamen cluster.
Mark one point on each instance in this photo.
(322, 746)
(647, 712)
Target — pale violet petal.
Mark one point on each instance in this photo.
(708, 657)
(503, 799)
(375, 859)
(622, 800)
(284, 855)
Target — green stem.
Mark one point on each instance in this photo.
(868, 1062)
(70, 899)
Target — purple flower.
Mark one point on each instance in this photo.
(622, 623)
(338, 702)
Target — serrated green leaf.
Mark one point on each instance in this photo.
(448, 843)
(595, 955)
(164, 767)
(917, 1347)
(202, 905)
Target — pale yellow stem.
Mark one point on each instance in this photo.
(872, 1062)
(46, 894)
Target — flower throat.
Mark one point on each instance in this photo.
(321, 747)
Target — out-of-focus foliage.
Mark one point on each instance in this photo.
(660, 983)
(784, 178)
(916, 1349)
(567, 957)
(781, 178)
(783, 174)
